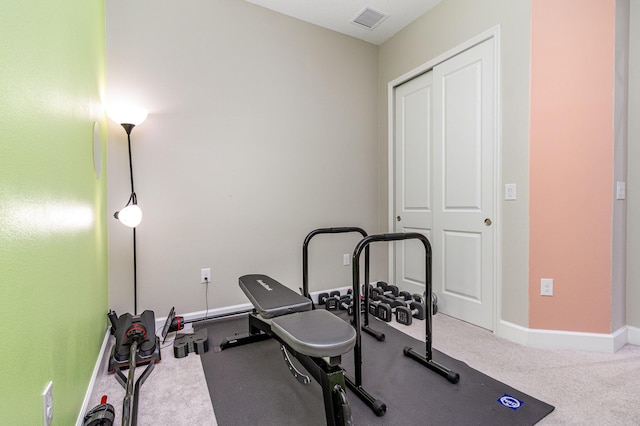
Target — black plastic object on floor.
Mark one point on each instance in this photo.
(100, 415)
(252, 385)
(186, 343)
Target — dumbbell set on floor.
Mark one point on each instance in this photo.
(404, 311)
(387, 300)
(333, 301)
(330, 300)
(407, 297)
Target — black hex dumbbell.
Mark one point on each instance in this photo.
(375, 293)
(345, 303)
(387, 289)
(332, 303)
(373, 304)
(387, 310)
(405, 295)
(405, 314)
(434, 301)
(322, 297)
(381, 308)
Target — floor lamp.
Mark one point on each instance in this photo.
(128, 117)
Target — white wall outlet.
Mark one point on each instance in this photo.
(346, 259)
(205, 275)
(546, 287)
(47, 404)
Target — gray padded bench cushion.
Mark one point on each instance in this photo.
(316, 333)
(270, 298)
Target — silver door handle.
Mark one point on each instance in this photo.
(487, 222)
(398, 218)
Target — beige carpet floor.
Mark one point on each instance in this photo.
(174, 394)
(586, 388)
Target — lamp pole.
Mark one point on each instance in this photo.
(128, 128)
(128, 116)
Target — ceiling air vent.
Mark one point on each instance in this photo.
(369, 18)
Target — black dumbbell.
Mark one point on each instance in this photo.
(381, 308)
(332, 303)
(405, 314)
(345, 302)
(405, 295)
(387, 308)
(375, 293)
(322, 297)
(388, 289)
(434, 301)
(373, 306)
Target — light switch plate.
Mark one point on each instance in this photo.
(510, 191)
(621, 190)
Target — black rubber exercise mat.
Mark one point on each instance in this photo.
(252, 385)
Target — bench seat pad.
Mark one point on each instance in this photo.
(270, 298)
(316, 333)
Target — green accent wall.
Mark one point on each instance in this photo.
(53, 232)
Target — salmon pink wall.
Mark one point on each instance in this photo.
(571, 163)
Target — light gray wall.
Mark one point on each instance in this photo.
(246, 150)
(261, 128)
(449, 24)
(633, 173)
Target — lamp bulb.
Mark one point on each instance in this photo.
(130, 216)
(127, 114)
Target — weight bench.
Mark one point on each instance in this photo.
(316, 338)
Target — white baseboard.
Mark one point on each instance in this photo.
(97, 369)
(545, 339)
(211, 313)
(633, 335)
(230, 310)
(512, 332)
(556, 339)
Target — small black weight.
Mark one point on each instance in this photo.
(405, 314)
(322, 298)
(184, 344)
(332, 303)
(100, 415)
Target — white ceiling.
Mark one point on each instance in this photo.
(338, 15)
